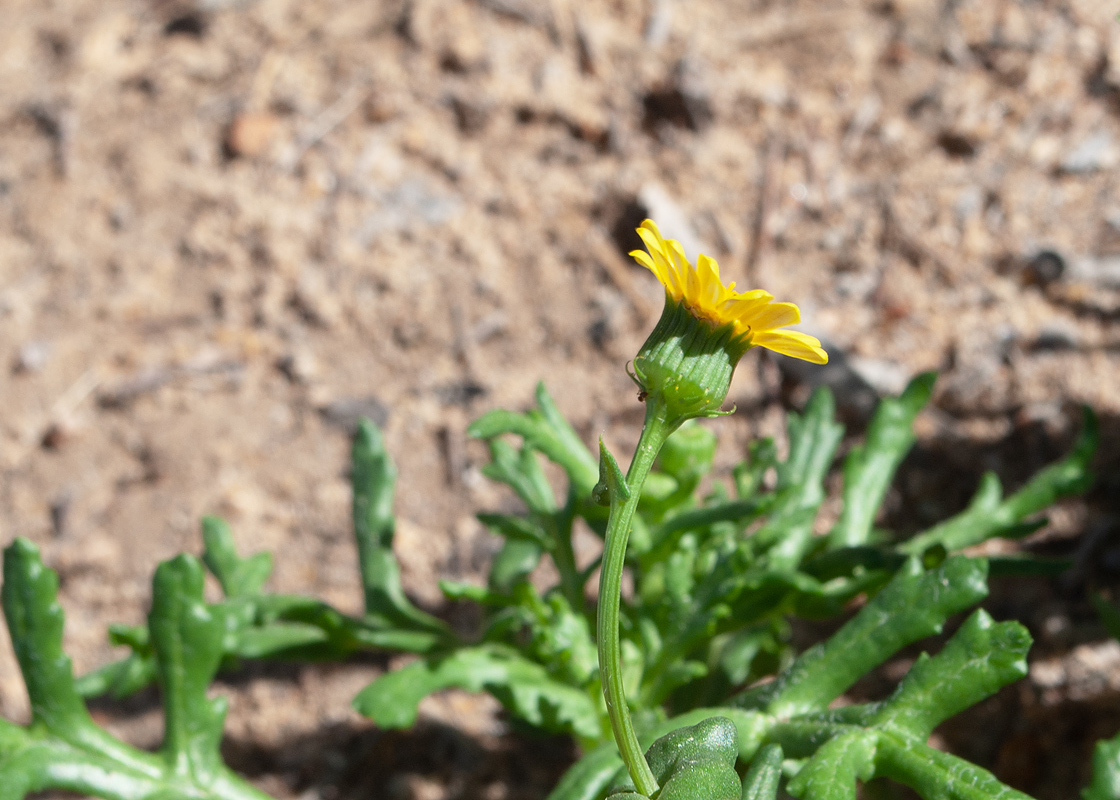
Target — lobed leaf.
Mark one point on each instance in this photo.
(912, 606)
(63, 748)
(374, 478)
(238, 576)
(832, 772)
(988, 515)
(187, 640)
(981, 658)
(937, 775)
(545, 430)
(524, 687)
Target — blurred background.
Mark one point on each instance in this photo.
(229, 228)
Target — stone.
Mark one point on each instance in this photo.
(250, 134)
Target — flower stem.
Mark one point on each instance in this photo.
(654, 434)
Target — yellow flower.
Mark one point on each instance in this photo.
(753, 315)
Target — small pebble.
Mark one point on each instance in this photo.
(32, 357)
(250, 134)
(1097, 152)
(1044, 268)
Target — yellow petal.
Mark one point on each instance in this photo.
(794, 344)
(771, 315)
(655, 245)
(745, 304)
(711, 288)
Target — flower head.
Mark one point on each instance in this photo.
(685, 366)
(752, 314)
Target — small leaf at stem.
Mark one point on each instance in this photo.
(610, 477)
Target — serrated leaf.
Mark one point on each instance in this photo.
(521, 471)
(278, 639)
(35, 621)
(687, 454)
(511, 527)
(762, 454)
(592, 776)
(119, 678)
(814, 437)
(1019, 564)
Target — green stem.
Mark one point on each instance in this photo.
(654, 434)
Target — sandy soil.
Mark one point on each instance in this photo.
(229, 227)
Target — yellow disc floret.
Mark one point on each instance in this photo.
(753, 315)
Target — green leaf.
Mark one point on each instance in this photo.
(279, 639)
(561, 637)
(187, 639)
(934, 774)
(524, 687)
(1105, 783)
(987, 517)
(513, 563)
(119, 678)
(1019, 564)
(762, 454)
(687, 454)
(521, 471)
(869, 469)
(374, 478)
(238, 576)
(697, 762)
(63, 748)
(832, 772)
(591, 777)
(666, 535)
(762, 779)
(1109, 614)
(912, 606)
(512, 527)
(545, 430)
(610, 476)
(814, 437)
(980, 659)
(35, 622)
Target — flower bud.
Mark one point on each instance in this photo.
(687, 362)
